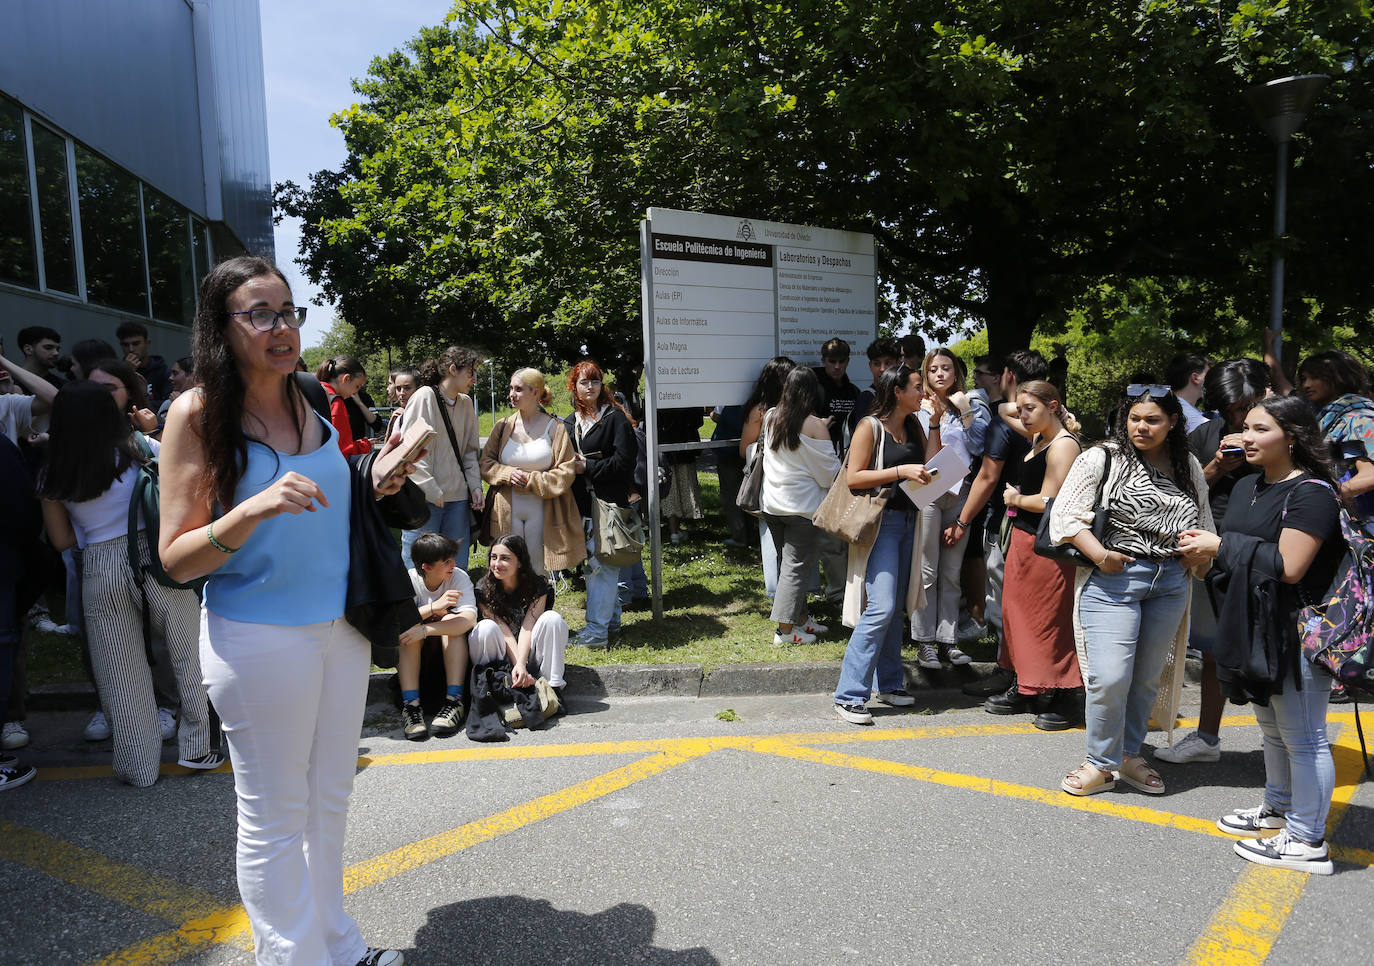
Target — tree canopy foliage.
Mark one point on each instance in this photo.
(1010, 157)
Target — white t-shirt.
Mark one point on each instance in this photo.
(459, 581)
(107, 516)
(16, 416)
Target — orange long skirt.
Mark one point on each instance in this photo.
(1037, 618)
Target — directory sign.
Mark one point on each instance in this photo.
(723, 295)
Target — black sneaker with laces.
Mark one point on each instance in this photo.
(1010, 701)
(382, 957)
(13, 774)
(413, 722)
(449, 719)
(205, 762)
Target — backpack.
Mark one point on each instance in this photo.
(1336, 631)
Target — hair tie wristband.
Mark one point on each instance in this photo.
(210, 532)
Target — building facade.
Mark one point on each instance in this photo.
(133, 156)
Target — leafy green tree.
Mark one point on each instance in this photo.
(1011, 158)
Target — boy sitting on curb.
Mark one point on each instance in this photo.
(448, 608)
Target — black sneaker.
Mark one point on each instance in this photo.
(205, 762)
(449, 719)
(995, 683)
(13, 775)
(1285, 852)
(382, 957)
(1252, 821)
(1010, 701)
(413, 722)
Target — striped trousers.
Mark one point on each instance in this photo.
(113, 607)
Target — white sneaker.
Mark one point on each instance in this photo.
(854, 713)
(45, 624)
(67, 630)
(955, 656)
(14, 736)
(798, 636)
(1251, 822)
(167, 722)
(1285, 852)
(926, 656)
(811, 627)
(98, 729)
(895, 699)
(1191, 747)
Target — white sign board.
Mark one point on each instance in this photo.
(724, 295)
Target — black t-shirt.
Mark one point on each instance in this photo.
(1005, 444)
(837, 401)
(1204, 442)
(1257, 509)
(543, 588)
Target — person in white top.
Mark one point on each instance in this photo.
(799, 464)
(448, 609)
(86, 487)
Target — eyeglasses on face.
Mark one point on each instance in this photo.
(1156, 391)
(265, 320)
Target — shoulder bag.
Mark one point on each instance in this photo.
(750, 494)
(1066, 552)
(854, 517)
(618, 530)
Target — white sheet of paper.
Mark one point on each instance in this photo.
(952, 468)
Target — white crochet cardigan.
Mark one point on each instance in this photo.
(1073, 512)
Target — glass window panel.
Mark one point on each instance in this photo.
(170, 267)
(54, 209)
(200, 244)
(16, 213)
(111, 235)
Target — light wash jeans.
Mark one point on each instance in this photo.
(1299, 775)
(875, 647)
(291, 700)
(452, 520)
(1130, 620)
(603, 594)
(634, 583)
(938, 620)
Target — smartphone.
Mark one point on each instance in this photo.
(1232, 451)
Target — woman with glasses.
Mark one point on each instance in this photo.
(604, 444)
(343, 377)
(528, 461)
(1131, 624)
(256, 496)
(450, 472)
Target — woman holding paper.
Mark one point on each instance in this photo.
(961, 428)
(888, 447)
(1037, 592)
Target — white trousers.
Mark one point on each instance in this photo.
(291, 700)
(549, 639)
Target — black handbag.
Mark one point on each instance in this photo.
(1067, 552)
(751, 484)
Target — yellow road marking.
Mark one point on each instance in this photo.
(230, 924)
(86, 868)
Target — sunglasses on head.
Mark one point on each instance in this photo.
(1138, 389)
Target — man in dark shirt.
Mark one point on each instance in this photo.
(837, 392)
(134, 342)
(42, 347)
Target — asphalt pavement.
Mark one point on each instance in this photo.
(655, 830)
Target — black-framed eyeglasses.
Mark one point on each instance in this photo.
(1156, 391)
(265, 320)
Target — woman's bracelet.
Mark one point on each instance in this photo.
(1105, 555)
(961, 524)
(210, 532)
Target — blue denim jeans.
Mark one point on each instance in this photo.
(603, 595)
(634, 583)
(452, 520)
(1299, 775)
(1130, 620)
(875, 647)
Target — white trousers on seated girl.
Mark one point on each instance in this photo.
(549, 640)
(291, 700)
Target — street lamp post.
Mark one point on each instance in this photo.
(1282, 106)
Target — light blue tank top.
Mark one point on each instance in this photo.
(293, 569)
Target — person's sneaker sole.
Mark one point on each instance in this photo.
(854, 717)
(1246, 849)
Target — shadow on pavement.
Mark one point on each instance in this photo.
(514, 929)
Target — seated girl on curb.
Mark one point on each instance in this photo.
(448, 607)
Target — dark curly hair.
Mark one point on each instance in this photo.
(1180, 456)
(510, 606)
(220, 423)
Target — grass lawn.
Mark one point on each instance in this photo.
(715, 612)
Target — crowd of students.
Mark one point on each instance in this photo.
(1086, 561)
(1192, 468)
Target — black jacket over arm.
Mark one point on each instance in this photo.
(1261, 612)
(610, 475)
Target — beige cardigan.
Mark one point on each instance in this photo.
(444, 475)
(564, 542)
(1072, 513)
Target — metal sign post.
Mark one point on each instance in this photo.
(646, 259)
